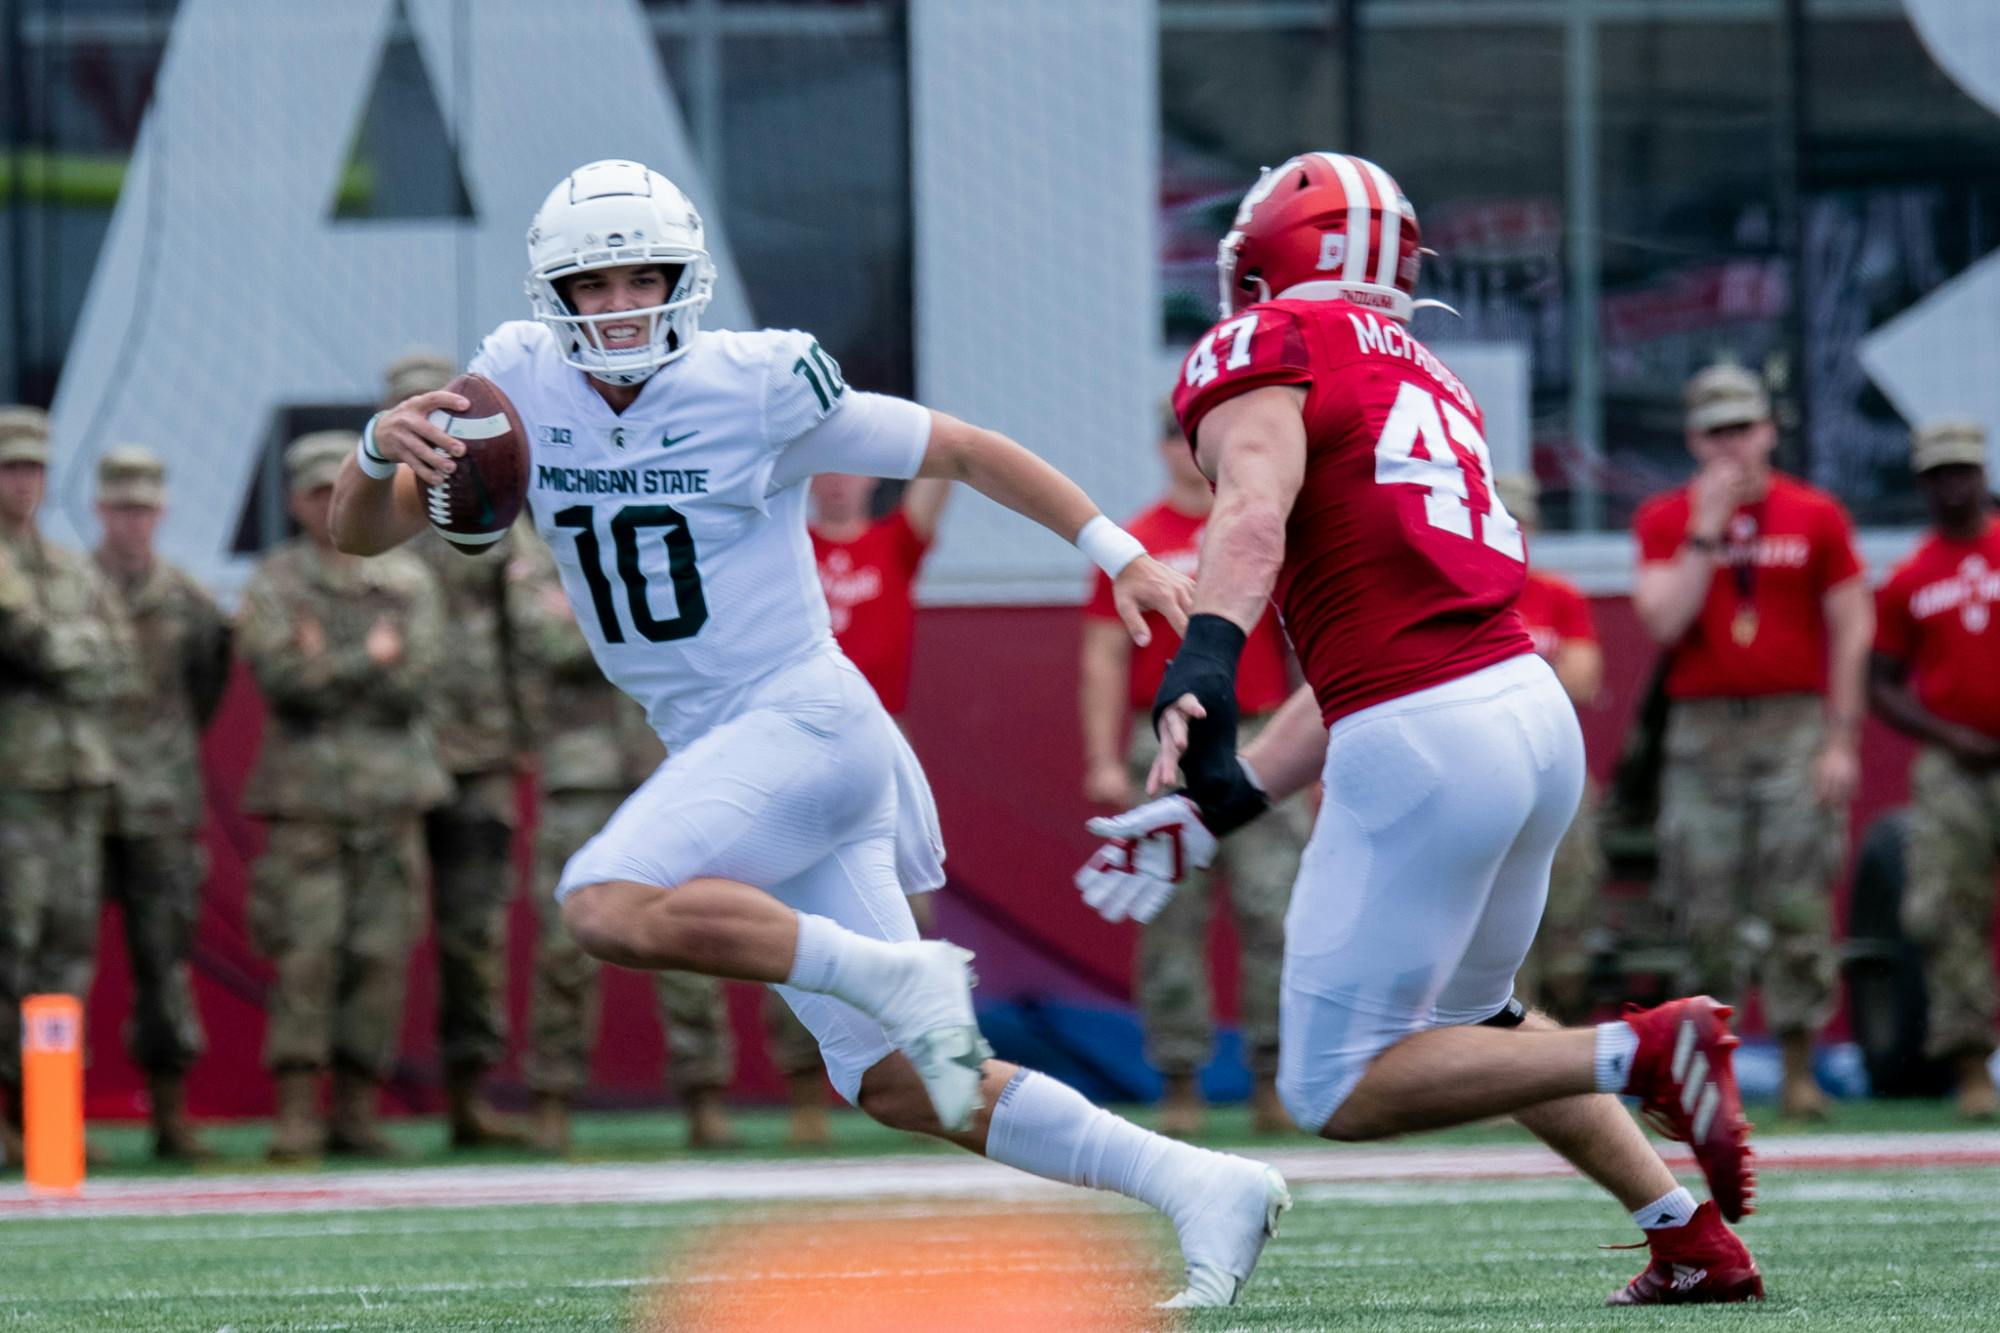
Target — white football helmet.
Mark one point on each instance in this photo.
(604, 215)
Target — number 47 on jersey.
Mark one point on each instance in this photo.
(1417, 418)
(1421, 418)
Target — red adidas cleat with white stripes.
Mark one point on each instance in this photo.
(1684, 1076)
(1702, 1263)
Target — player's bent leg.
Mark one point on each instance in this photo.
(1224, 1208)
(717, 927)
(1596, 1136)
(1696, 1259)
(917, 991)
(1449, 1076)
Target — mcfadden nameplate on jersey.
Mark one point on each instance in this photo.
(1392, 339)
(621, 481)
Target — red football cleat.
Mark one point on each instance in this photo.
(1684, 1076)
(1702, 1263)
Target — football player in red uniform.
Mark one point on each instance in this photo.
(1352, 476)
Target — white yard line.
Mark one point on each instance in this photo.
(880, 1177)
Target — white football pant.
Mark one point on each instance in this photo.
(810, 794)
(1423, 884)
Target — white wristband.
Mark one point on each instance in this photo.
(365, 457)
(1109, 546)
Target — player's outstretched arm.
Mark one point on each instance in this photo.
(377, 504)
(1009, 474)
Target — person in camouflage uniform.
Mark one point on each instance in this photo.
(154, 861)
(595, 749)
(66, 655)
(1935, 675)
(1750, 583)
(482, 740)
(348, 653)
(1555, 975)
(21, 630)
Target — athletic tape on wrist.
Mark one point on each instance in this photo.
(1109, 546)
(370, 462)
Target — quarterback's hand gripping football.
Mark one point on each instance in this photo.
(405, 434)
(1147, 585)
(1147, 853)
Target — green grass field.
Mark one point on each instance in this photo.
(1841, 1249)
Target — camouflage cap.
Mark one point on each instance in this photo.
(314, 460)
(24, 435)
(1725, 395)
(131, 474)
(1946, 441)
(416, 371)
(1520, 495)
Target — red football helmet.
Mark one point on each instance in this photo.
(1323, 224)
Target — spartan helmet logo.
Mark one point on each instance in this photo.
(1976, 612)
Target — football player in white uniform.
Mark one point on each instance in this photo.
(779, 840)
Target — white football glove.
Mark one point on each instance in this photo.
(1148, 851)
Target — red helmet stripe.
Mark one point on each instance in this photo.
(1356, 194)
(1392, 224)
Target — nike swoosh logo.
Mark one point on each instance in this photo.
(669, 441)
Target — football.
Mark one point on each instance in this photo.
(479, 501)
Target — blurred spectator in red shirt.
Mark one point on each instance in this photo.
(868, 565)
(1749, 580)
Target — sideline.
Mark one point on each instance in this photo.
(885, 1177)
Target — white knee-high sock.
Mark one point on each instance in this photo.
(832, 960)
(1047, 1128)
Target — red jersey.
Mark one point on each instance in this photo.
(867, 582)
(1174, 539)
(1555, 612)
(1936, 613)
(1762, 630)
(1401, 568)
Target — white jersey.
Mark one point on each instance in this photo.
(679, 525)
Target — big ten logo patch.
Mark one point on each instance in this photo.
(556, 437)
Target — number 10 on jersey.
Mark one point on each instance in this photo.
(691, 608)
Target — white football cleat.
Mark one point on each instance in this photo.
(1237, 1209)
(928, 1015)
